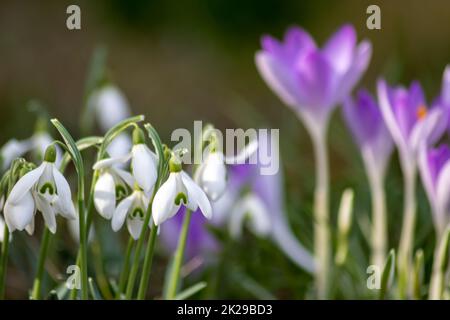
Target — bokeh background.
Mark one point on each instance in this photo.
(180, 61)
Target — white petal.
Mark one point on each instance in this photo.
(259, 218)
(2, 228)
(442, 217)
(121, 212)
(109, 162)
(105, 195)
(110, 105)
(47, 211)
(23, 186)
(134, 227)
(212, 178)
(65, 203)
(196, 196)
(125, 176)
(18, 215)
(163, 206)
(144, 164)
(30, 228)
(120, 146)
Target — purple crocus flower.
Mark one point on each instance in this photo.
(309, 79)
(199, 241)
(434, 165)
(366, 123)
(364, 118)
(409, 120)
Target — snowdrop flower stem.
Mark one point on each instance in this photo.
(126, 267)
(75, 155)
(137, 252)
(178, 258)
(36, 291)
(143, 284)
(154, 137)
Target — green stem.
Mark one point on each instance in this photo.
(83, 241)
(143, 285)
(178, 260)
(36, 292)
(126, 268)
(4, 261)
(137, 253)
(321, 216)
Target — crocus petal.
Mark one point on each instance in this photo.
(109, 162)
(48, 212)
(430, 129)
(65, 204)
(389, 117)
(279, 78)
(442, 215)
(121, 212)
(20, 214)
(196, 196)
(163, 206)
(105, 195)
(445, 92)
(340, 48)
(23, 186)
(318, 85)
(134, 227)
(356, 70)
(144, 164)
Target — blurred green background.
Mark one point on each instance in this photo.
(180, 61)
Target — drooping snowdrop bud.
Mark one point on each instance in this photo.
(112, 185)
(254, 209)
(2, 229)
(179, 189)
(110, 106)
(132, 209)
(44, 189)
(120, 146)
(144, 162)
(212, 174)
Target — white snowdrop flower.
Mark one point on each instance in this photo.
(212, 173)
(179, 189)
(44, 189)
(110, 106)
(13, 149)
(112, 185)
(120, 146)
(252, 208)
(144, 162)
(132, 209)
(2, 229)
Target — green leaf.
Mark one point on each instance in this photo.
(156, 140)
(72, 147)
(388, 274)
(82, 144)
(189, 292)
(93, 290)
(418, 274)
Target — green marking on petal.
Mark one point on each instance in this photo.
(137, 213)
(121, 192)
(47, 187)
(180, 197)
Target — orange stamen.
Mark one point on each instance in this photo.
(421, 112)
